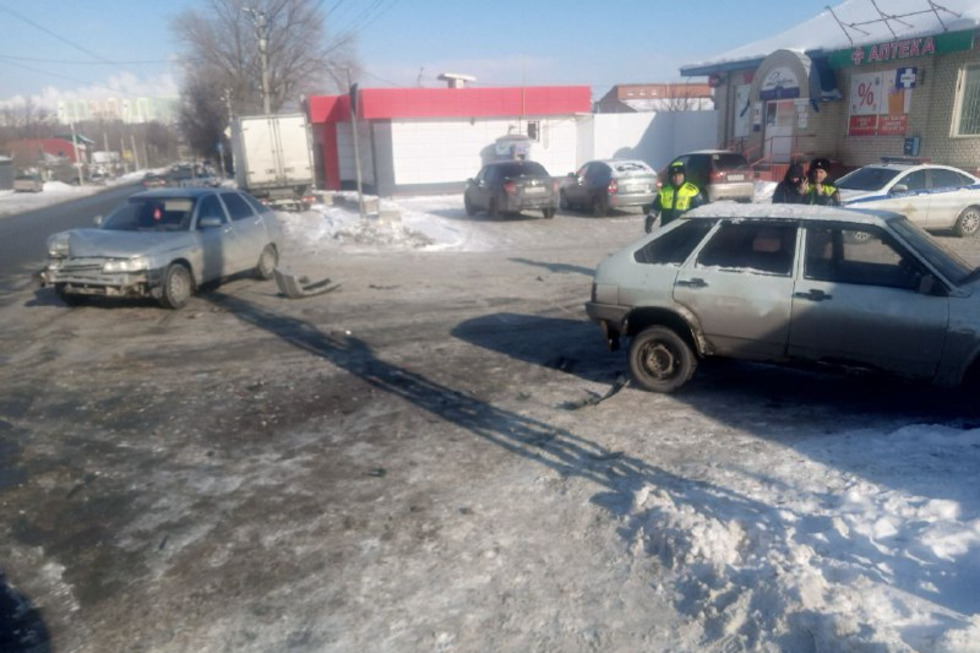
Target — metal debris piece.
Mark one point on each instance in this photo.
(295, 287)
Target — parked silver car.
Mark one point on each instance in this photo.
(720, 174)
(28, 182)
(934, 196)
(599, 186)
(164, 244)
(787, 284)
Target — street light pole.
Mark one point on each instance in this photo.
(261, 28)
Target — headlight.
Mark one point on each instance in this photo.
(58, 245)
(135, 264)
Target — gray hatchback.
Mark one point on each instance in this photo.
(790, 284)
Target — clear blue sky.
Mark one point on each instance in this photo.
(52, 47)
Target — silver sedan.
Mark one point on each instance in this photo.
(164, 244)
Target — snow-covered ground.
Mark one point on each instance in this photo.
(867, 540)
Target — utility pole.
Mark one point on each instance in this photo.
(354, 108)
(261, 25)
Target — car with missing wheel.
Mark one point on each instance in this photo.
(788, 284)
(164, 244)
(937, 197)
(511, 187)
(607, 184)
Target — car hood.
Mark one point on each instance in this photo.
(124, 244)
(848, 195)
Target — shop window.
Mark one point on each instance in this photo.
(534, 130)
(967, 121)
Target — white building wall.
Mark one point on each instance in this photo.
(440, 151)
(345, 152)
(652, 137)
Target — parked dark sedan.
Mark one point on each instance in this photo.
(511, 187)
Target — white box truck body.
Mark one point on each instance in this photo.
(273, 157)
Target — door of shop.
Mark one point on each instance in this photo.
(780, 117)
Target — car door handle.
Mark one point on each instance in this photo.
(813, 295)
(696, 282)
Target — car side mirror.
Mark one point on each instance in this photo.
(927, 284)
(208, 222)
(898, 188)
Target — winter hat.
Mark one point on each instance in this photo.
(675, 167)
(820, 164)
(795, 170)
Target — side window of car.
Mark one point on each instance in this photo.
(942, 178)
(754, 247)
(210, 207)
(915, 180)
(673, 247)
(238, 208)
(866, 257)
(259, 207)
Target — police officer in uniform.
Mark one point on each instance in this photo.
(676, 197)
(819, 191)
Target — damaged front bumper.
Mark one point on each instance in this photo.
(88, 277)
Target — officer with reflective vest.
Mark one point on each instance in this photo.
(675, 198)
(819, 191)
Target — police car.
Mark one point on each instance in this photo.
(936, 197)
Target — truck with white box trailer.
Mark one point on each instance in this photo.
(273, 157)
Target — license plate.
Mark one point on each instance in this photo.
(636, 188)
(736, 177)
(535, 190)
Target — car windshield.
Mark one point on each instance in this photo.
(729, 161)
(524, 169)
(152, 214)
(631, 168)
(947, 262)
(868, 178)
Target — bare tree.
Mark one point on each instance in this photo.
(221, 43)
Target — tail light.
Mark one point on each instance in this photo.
(613, 187)
(718, 175)
(510, 187)
(555, 186)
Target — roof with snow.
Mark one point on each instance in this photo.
(849, 24)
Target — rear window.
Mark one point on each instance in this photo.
(526, 168)
(867, 178)
(630, 168)
(729, 161)
(674, 246)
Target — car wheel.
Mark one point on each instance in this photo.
(70, 299)
(563, 201)
(968, 224)
(600, 208)
(492, 210)
(177, 286)
(268, 260)
(857, 237)
(470, 209)
(548, 213)
(660, 360)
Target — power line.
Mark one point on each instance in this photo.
(57, 36)
(11, 57)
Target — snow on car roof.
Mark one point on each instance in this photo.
(727, 209)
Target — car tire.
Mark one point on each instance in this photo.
(600, 207)
(563, 201)
(470, 209)
(177, 286)
(548, 213)
(70, 299)
(660, 360)
(968, 224)
(265, 269)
